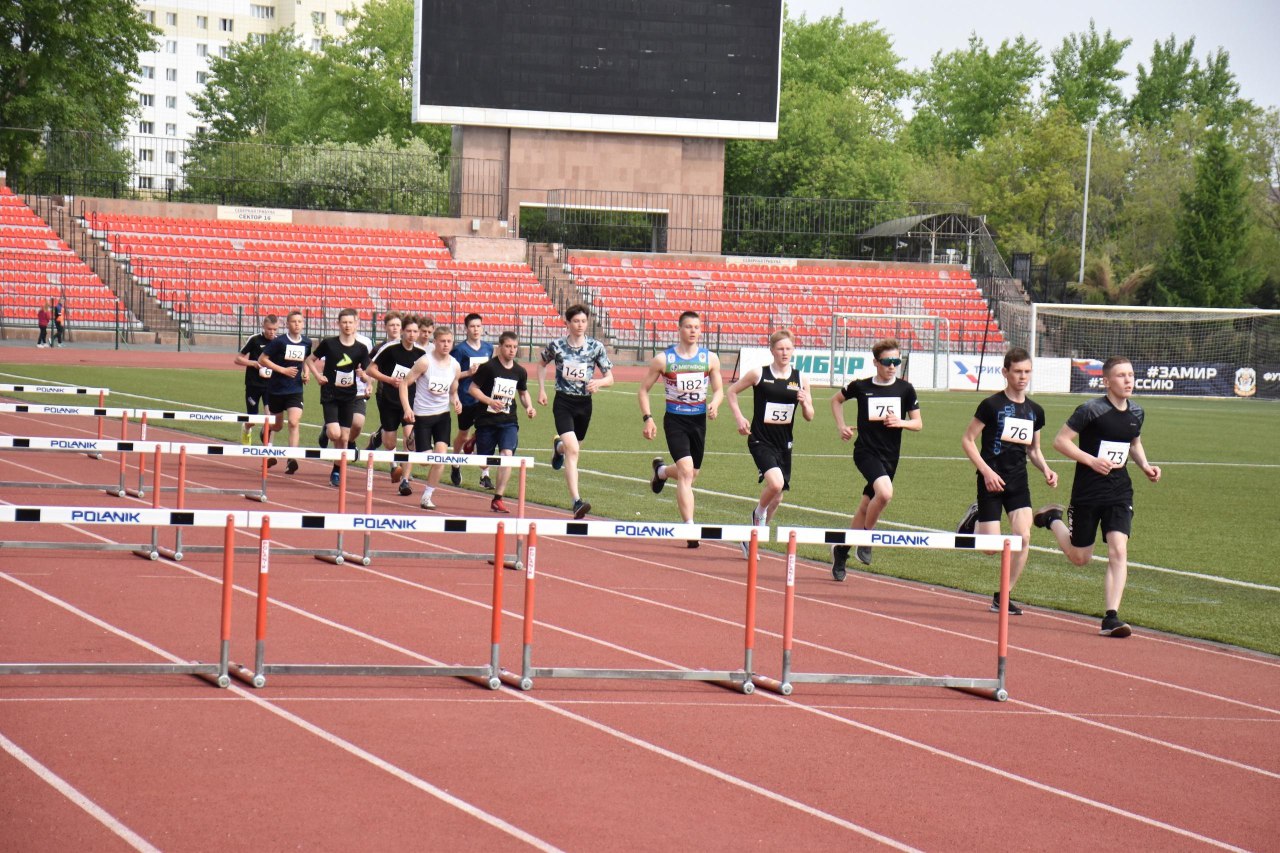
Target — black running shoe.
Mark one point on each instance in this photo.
(271, 462)
(839, 556)
(580, 508)
(1047, 515)
(485, 482)
(291, 467)
(455, 475)
(1113, 627)
(657, 482)
(863, 553)
(693, 543)
(557, 458)
(1014, 610)
(969, 522)
(323, 441)
(405, 488)
(375, 441)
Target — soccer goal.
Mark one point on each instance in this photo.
(1224, 352)
(924, 340)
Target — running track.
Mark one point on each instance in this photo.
(1147, 743)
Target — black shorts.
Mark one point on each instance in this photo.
(686, 436)
(1083, 521)
(279, 403)
(767, 457)
(872, 467)
(430, 430)
(339, 411)
(361, 407)
(572, 413)
(391, 415)
(1016, 495)
(252, 398)
(467, 417)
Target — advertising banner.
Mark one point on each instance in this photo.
(1185, 379)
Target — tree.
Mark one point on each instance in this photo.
(1205, 267)
(966, 94)
(1084, 76)
(258, 91)
(66, 64)
(1166, 89)
(1101, 288)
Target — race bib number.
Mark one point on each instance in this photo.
(295, 352)
(1017, 431)
(691, 387)
(575, 371)
(504, 391)
(264, 372)
(400, 371)
(477, 360)
(344, 378)
(1115, 452)
(438, 388)
(880, 408)
(779, 413)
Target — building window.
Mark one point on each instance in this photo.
(144, 182)
(202, 22)
(202, 77)
(317, 19)
(148, 72)
(258, 38)
(171, 157)
(147, 100)
(224, 51)
(170, 184)
(171, 46)
(170, 129)
(226, 25)
(201, 130)
(202, 49)
(171, 19)
(170, 102)
(149, 17)
(265, 12)
(146, 127)
(340, 19)
(146, 155)
(171, 74)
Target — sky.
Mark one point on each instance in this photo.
(1247, 29)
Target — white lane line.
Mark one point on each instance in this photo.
(66, 789)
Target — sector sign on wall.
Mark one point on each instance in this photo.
(672, 67)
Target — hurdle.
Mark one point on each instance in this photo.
(740, 679)
(217, 673)
(857, 538)
(102, 394)
(144, 415)
(486, 674)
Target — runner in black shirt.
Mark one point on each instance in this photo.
(1008, 424)
(392, 364)
(345, 360)
(286, 356)
(495, 386)
(255, 375)
(1109, 432)
(882, 400)
(779, 388)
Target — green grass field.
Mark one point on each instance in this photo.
(1203, 557)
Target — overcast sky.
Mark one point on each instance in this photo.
(1248, 29)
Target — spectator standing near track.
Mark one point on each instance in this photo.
(390, 367)
(58, 317)
(471, 353)
(286, 356)
(1008, 425)
(576, 358)
(436, 377)
(255, 375)
(688, 371)
(882, 400)
(779, 388)
(345, 359)
(496, 386)
(1100, 437)
(42, 319)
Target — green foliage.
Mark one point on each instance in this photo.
(1085, 74)
(66, 64)
(257, 91)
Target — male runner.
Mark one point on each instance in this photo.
(470, 353)
(882, 400)
(392, 322)
(436, 377)
(390, 366)
(1008, 424)
(687, 370)
(286, 356)
(345, 359)
(495, 386)
(255, 376)
(576, 358)
(1100, 436)
(779, 388)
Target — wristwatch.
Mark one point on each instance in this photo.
(646, 419)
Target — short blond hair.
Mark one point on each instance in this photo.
(779, 335)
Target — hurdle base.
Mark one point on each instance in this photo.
(147, 553)
(332, 558)
(248, 676)
(781, 687)
(736, 680)
(210, 672)
(985, 687)
(133, 493)
(515, 679)
(357, 559)
(169, 553)
(481, 675)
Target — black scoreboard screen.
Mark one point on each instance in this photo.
(675, 67)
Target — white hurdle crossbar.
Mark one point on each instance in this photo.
(794, 536)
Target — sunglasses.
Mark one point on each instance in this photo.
(891, 362)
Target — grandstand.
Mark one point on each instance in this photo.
(36, 265)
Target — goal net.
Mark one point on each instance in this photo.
(923, 339)
(1220, 352)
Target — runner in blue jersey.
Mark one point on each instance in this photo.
(470, 353)
(689, 371)
(576, 358)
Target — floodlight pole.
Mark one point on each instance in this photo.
(1084, 219)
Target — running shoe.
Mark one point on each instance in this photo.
(486, 482)
(692, 543)
(969, 522)
(657, 482)
(469, 446)
(1113, 627)
(405, 488)
(335, 479)
(271, 462)
(580, 508)
(426, 503)
(839, 556)
(1047, 515)
(323, 441)
(863, 553)
(246, 438)
(496, 505)
(397, 473)
(291, 467)
(1014, 610)
(455, 475)
(557, 457)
